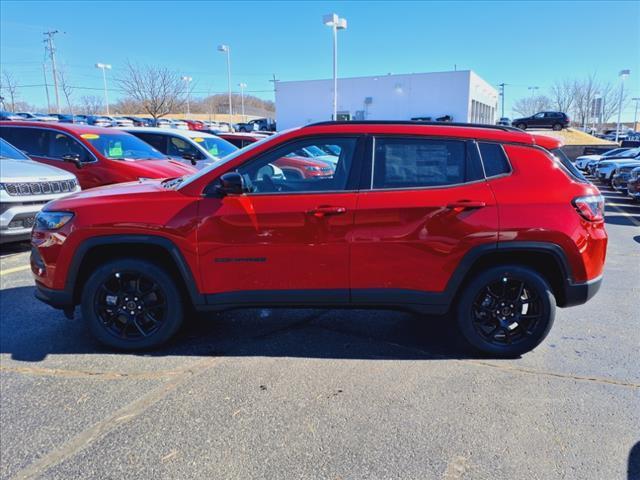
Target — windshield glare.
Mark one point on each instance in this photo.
(122, 146)
(216, 147)
(9, 151)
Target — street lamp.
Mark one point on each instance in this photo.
(104, 67)
(187, 80)
(242, 86)
(336, 23)
(623, 76)
(225, 49)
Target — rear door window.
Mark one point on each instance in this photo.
(415, 162)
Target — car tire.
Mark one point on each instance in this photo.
(122, 297)
(500, 325)
(522, 126)
(557, 126)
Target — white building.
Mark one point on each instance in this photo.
(461, 94)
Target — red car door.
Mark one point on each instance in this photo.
(286, 239)
(427, 206)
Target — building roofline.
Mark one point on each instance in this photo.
(387, 75)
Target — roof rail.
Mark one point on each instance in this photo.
(416, 122)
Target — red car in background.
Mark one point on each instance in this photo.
(195, 124)
(97, 156)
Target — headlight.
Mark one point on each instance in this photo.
(313, 169)
(52, 220)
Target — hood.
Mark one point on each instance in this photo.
(157, 168)
(589, 157)
(618, 162)
(13, 170)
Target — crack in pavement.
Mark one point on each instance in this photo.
(59, 372)
(118, 418)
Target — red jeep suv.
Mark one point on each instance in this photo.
(479, 221)
(97, 156)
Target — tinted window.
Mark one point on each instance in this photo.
(282, 170)
(9, 151)
(406, 163)
(159, 142)
(494, 159)
(61, 144)
(178, 147)
(33, 141)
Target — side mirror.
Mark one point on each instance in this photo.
(231, 183)
(191, 157)
(73, 158)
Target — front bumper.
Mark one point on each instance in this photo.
(16, 221)
(579, 293)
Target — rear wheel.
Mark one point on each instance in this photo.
(522, 126)
(131, 304)
(506, 311)
(557, 126)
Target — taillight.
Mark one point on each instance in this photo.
(590, 207)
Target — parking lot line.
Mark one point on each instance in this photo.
(631, 216)
(14, 269)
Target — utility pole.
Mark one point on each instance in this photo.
(635, 114)
(46, 86)
(502, 85)
(52, 54)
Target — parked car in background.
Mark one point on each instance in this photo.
(633, 184)
(604, 169)
(25, 187)
(162, 123)
(199, 149)
(422, 217)
(621, 175)
(623, 134)
(258, 124)
(240, 140)
(10, 116)
(99, 121)
(195, 124)
(179, 124)
(582, 161)
(141, 121)
(121, 122)
(68, 118)
(505, 121)
(97, 156)
(554, 120)
(37, 117)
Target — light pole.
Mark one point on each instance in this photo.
(242, 86)
(336, 23)
(635, 113)
(187, 81)
(104, 67)
(623, 76)
(225, 49)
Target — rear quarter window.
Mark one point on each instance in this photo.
(494, 159)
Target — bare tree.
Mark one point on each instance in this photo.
(562, 95)
(9, 84)
(611, 100)
(67, 90)
(91, 104)
(128, 106)
(527, 106)
(158, 90)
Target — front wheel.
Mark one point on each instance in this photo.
(132, 304)
(506, 311)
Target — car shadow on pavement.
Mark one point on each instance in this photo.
(633, 468)
(31, 331)
(14, 247)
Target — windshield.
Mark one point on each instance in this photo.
(122, 146)
(186, 180)
(216, 147)
(634, 152)
(9, 151)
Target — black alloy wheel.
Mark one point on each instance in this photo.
(506, 311)
(132, 304)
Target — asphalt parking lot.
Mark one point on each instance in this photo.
(325, 394)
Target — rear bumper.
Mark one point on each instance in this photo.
(579, 293)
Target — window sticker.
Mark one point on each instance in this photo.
(116, 150)
(90, 136)
(213, 150)
(198, 139)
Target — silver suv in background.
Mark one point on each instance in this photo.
(25, 186)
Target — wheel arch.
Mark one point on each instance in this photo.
(97, 250)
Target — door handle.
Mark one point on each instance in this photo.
(464, 204)
(326, 210)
